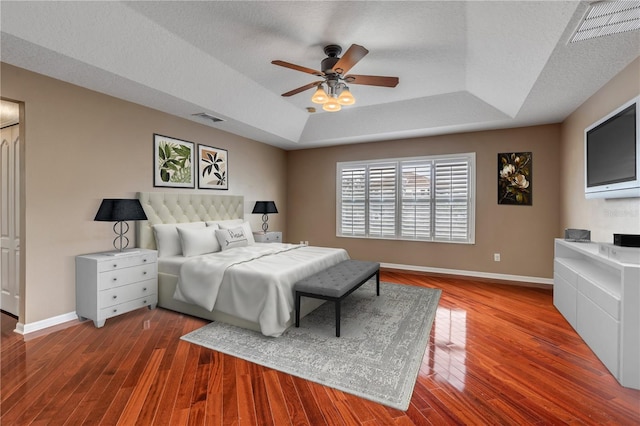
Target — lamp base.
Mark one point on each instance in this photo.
(120, 242)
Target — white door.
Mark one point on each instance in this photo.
(10, 221)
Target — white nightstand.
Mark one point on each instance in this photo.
(268, 237)
(107, 285)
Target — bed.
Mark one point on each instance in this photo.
(256, 292)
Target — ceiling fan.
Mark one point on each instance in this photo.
(335, 77)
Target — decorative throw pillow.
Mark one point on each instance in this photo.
(167, 238)
(198, 241)
(230, 238)
(245, 225)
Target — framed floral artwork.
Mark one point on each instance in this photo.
(173, 162)
(213, 168)
(515, 184)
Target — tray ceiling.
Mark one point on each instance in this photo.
(463, 66)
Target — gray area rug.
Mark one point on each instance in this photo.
(377, 357)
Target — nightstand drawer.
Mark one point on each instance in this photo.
(126, 276)
(118, 295)
(115, 310)
(117, 262)
(269, 237)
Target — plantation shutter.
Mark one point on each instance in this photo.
(416, 200)
(451, 201)
(353, 201)
(382, 201)
(427, 198)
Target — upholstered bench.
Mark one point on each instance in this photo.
(335, 283)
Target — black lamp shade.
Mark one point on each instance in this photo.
(265, 207)
(117, 209)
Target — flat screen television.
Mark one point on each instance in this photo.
(612, 154)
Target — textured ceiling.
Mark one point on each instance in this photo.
(462, 66)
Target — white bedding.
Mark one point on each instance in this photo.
(254, 283)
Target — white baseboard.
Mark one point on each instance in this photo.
(475, 274)
(45, 323)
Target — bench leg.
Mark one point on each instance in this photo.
(378, 283)
(297, 309)
(337, 318)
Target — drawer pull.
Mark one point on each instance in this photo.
(115, 265)
(144, 289)
(115, 279)
(144, 302)
(144, 273)
(115, 310)
(115, 296)
(144, 260)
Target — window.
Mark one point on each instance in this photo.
(420, 198)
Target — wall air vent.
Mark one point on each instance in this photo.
(609, 17)
(208, 117)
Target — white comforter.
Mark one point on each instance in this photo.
(261, 279)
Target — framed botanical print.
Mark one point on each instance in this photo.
(173, 162)
(213, 168)
(515, 178)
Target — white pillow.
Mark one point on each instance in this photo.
(225, 224)
(247, 230)
(167, 239)
(198, 241)
(230, 238)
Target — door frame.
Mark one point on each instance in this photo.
(22, 207)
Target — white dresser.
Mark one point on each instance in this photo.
(598, 292)
(267, 237)
(108, 285)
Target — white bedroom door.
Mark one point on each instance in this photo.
(10, 221)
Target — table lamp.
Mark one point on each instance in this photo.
(119, 211)
(264, 208)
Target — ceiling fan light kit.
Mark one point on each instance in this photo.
(346, 98)
(320, 96)
(332, 105)
(333, 72)
(339, 94)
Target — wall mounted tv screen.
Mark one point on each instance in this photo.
(611, 147)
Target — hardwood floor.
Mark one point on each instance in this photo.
(498, 354)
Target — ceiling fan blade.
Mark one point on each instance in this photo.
(350, 58)
(302, 89)
(372, 80)
(297, 67)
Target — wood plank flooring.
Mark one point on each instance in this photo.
(498, 354)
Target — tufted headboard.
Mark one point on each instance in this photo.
(161, 207)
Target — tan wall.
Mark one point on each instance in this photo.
(82, 146)
(522, 234)
(603, 217)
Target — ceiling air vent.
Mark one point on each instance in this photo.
(609, 17)
(208, 117)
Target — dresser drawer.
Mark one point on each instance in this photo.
(600, 331)
(569, 275)
(122, 294)
(125, 276)
(607, 301)
(117, 262)
(115, 310)
(565, 298)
